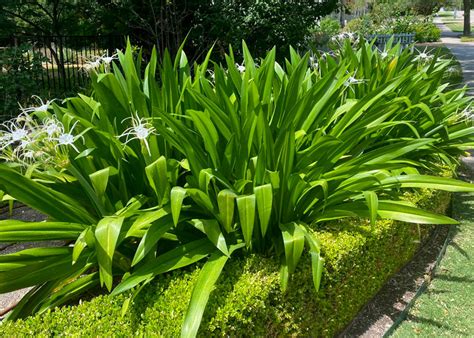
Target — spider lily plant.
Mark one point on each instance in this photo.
(171, 166)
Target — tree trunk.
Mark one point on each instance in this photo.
(342, 19)
(467, 17)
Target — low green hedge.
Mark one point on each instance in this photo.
(359, 259)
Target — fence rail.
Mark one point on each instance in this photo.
(63, 57)
(405, 39)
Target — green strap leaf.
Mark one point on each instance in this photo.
(246, 207)
(143, 221)
(317, 262)
(373, 204)
(208, 132)
(177, 196)
(401, 212)
(202, 289)
(211, 229)
(176, 258)
(99, 181)
(226, 202)
(86, 238)
(201, 199)
(42, 198)
(426, 181)
(106, 234)
(264, 197)
(19, 231)
(34, 270)
(152, 236)
(156, 174)
(293, 241)
(317, 266)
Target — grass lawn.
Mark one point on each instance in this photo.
(445, 14)
(454, 25)
(447, 308)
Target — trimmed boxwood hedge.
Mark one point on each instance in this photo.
(248, 301)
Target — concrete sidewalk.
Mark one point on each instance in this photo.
(463, 51)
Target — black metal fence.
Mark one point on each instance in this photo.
(64, 58)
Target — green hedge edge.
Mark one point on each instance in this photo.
(248, 301)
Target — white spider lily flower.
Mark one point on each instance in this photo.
(92, 64)
(313, 63)
(452, 70)
(19, 134)
(42, 108)
(467, 113)
(352, 81)
(211, 73)
(14, 133)
(4, 141)
(240, 68)
(26, 143)
(423, 56)
(67, 139)
(140, 130)
(52, 127)
(28, 155)
(108, 59)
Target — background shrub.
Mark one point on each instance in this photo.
(320, 35)
(20, 74)
(423, 28)
(426, 31)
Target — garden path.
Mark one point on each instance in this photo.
(463, 51)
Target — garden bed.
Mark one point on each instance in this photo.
(359, 260)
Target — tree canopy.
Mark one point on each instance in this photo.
(165, 23)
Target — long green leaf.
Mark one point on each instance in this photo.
(157, 229)
(226, 202)
(176, 258)
(246, 207)
(106, 234)
(177, 196)
(39, 197)
(19, 231)
(211, 228)
(293, 241)
(264, 198)
(202, 289)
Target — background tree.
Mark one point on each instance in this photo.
(165, 23)
(52, 18)
(467, 18)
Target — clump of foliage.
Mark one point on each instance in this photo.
(262, 24)
(169, 165)
(20, 73)
(421, 7)
(423, 28)
(321, 34)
